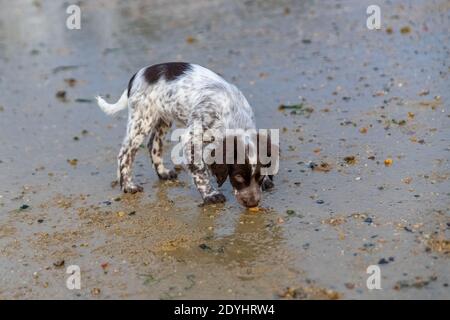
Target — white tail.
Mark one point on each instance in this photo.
(111, 109)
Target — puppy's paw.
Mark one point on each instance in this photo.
(214, 198)
(132, 188)
(267, 184)
(168, 175)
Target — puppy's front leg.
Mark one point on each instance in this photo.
(193, 153)
(202, 180)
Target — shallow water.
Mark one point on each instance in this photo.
(375, 95)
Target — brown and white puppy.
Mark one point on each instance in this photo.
(190, 95)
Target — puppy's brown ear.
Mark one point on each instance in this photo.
(221, 172)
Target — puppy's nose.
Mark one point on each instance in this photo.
(253, 202)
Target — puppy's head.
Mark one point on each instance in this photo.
(242, 164)
(246, 180)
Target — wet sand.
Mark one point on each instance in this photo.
(362, 97)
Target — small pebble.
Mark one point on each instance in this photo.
(290, 212)
(350, 286)
(204, 247)
(388, 162)
(59, 263)
(95, 291)
(368, 220)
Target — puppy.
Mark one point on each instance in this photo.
(197, 99)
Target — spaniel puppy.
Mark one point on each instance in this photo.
(197, 99)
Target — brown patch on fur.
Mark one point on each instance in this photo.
(170, 71)
(244, 170)
(220, 171)
(130, 84)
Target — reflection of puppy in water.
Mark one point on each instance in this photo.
(193, 96)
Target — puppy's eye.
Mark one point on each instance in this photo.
(239, 178)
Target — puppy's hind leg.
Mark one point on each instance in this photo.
(137, 132)
(155, 148)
